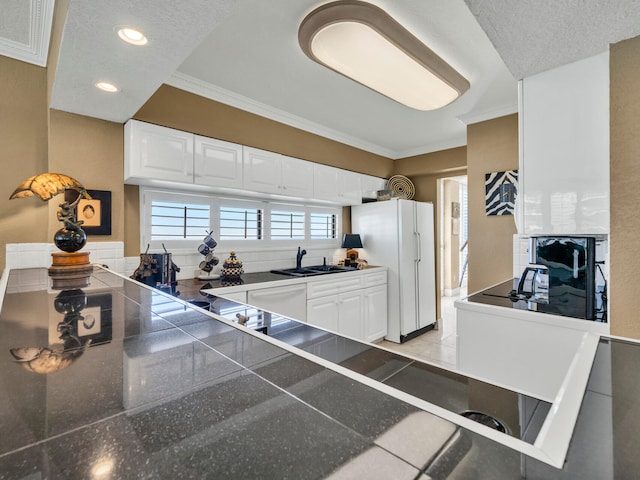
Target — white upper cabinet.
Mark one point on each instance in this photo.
(370, 185)
(564, 147)
(350, 192)
(297, 177)
(160, 153)
(270, 172)
(325, 182)
(217, 163)
(262, 170)
(336, 185)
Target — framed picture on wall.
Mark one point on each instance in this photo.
(455, 209)
(501, 189)
(95, 213)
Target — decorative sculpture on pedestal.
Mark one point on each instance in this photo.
(70, 266)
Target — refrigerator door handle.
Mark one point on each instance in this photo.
(419, 241)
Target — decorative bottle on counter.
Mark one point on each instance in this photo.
(231, 270)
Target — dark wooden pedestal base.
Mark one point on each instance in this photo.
(70, 270)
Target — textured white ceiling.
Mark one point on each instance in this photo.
(245, 53)
(533, 36)
(91, 51)
(25, 29)
(254, 58)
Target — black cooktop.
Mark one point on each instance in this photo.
(502, 295)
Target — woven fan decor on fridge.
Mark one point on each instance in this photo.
(401, 186)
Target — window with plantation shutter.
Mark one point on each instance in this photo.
(178, 220)
(322, 225)
(287, 225)
(238, 223)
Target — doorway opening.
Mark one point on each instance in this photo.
(453, 228)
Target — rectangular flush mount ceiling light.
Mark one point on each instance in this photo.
(363, 42)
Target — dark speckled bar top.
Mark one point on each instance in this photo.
(120, 381)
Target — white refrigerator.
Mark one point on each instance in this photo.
(399, 234)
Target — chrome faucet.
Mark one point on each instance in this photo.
(299, 256)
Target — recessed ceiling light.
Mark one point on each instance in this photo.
(132, 36)
(107, 87)
(363, 42)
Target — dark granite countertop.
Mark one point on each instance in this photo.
(249, 279)
(120, 381)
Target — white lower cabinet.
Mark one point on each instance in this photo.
(323, 312)
(375, 312)
(350, 314)
(355, 306)
(290, 301)
(240, 297)
(338, 313)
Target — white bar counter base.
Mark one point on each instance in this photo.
(526, 351)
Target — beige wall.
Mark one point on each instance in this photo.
(624, 301)
(186, 111)
(492, 146)
(23, 136)
(91, 151)
(452, 161)
(132, 221)
(37, 140)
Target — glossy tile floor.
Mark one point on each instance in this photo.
(436, 346)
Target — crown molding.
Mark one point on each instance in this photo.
(39, 28)
(213, 92)
(482, 115)
(456, 142)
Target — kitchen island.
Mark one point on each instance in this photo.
(118, 380)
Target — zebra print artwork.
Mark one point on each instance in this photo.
(501, 189)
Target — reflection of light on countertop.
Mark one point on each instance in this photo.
(102, 469)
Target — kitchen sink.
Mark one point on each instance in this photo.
(297, 272)
(314, 270)
(331, 268)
